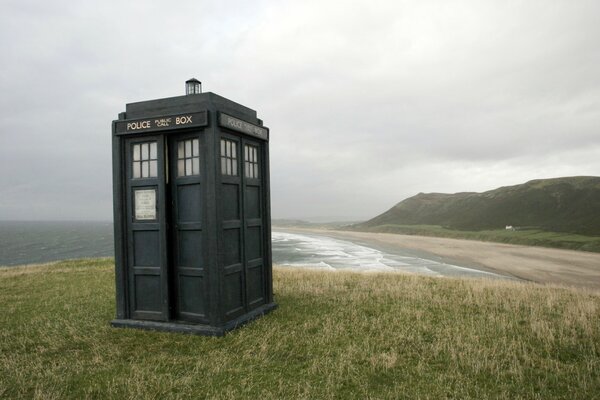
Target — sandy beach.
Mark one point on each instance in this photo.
(537, 264)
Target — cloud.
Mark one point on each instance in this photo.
(368, 101)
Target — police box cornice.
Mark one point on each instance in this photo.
(188, 120)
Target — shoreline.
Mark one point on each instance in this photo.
(543, 265)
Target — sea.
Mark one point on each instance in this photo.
(41, 242)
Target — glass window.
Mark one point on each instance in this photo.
(153, 151)
(145, 169)
(188, 157)
(229, 163)
(180, 150)
(153, 168)
(251, 161)
(145, 160)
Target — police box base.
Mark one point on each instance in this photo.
(194, 329)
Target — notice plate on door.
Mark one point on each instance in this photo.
(145, 204)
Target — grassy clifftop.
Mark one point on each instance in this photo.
(335, 335)
(570, 205)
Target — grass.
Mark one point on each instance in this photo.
(335, 335)
(527, 237)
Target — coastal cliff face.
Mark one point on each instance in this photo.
(570, 204)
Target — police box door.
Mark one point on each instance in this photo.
(253, 226)
(189, 299)
(166, 264)
(242, 257)
(147, 258)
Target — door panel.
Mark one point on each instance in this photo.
(242, 256)
(242, 209)
(253, 212)
(146, 229)
(231, 251)
(189, 202)
(186, 186)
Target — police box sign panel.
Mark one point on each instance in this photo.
(227, 121)
(164, 122)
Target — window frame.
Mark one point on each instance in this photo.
(188, 157)
(251, 168)
(228, 156)
(144, 164)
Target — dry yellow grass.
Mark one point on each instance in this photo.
(335, 335)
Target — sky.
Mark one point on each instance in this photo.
(368, 102)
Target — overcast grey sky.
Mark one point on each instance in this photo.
(369, 102)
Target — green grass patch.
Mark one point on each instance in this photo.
(527, 237)
(335, 335)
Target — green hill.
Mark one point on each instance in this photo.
(570, 205)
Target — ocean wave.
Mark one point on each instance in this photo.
(323, 252)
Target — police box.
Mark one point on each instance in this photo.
(191, 214)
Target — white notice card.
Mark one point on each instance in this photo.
(145, 204)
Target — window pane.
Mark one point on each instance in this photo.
(233, 150)
(256, 170)
(153, 168)
(144, 151)
(234, 168)
(136, 152)
(180, 150)
(195, 166)
(188, 166)
(223, 165)
(136, 169)
(228, 152)
(246, 169)
(222, 147)
(188, 148)
(228, 166)
(246, 148)
(255, 159)
(144, 169)
(181, 167)
(195, 147)
(153, 151)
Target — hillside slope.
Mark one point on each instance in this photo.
(570, 204)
